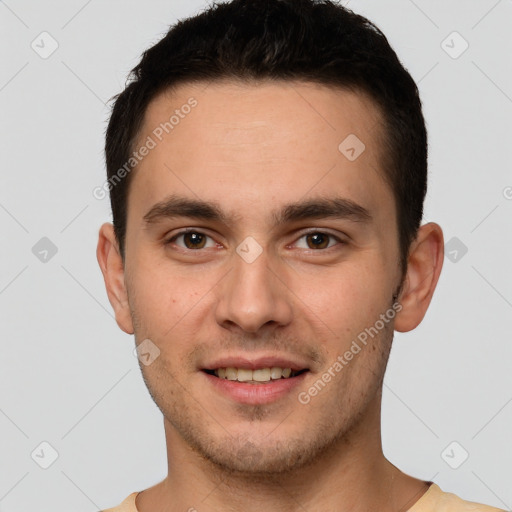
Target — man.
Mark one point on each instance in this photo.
(267, 170)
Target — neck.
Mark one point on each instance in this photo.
(351, 475)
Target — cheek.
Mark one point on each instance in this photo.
(350, 291)
(165, 301)
(342, 304)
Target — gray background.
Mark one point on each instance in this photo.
(68, 374)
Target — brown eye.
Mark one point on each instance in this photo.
(317, 240)
(194, 240)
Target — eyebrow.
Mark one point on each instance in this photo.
(337, 207)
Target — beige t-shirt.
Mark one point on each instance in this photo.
(434, 500)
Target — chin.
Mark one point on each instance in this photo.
(260, 452)
(264, 459)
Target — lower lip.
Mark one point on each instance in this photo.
(255, 394)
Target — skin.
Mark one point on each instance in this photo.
(251, 149)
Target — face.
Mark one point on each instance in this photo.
(255, 244)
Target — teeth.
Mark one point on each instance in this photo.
(231, 374)
(259, 375)
(244, 375)
(276, 373)
(262, 375)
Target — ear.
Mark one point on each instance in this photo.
(112, 268)
(423, 269)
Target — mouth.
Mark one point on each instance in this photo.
(254, 376)
(262, 379)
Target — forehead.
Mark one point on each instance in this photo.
(250, 143)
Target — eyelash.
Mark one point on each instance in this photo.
(314, 232)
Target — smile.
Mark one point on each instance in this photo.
(256, 376)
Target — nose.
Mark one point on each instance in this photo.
(253, 296)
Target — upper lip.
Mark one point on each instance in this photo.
(255, 363)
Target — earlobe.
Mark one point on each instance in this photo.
(112, 268)
(424, 267)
